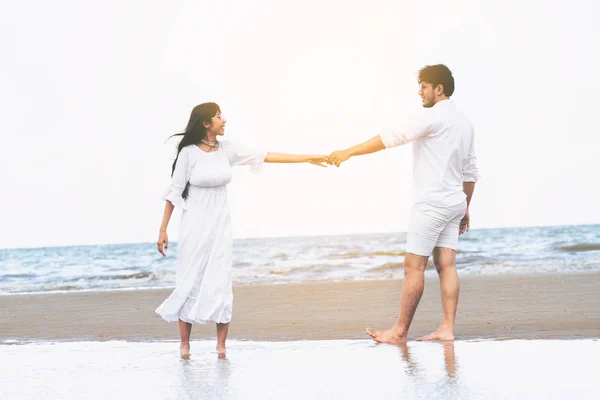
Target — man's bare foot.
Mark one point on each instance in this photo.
(184, 350)
(388, 336)
(440, 334)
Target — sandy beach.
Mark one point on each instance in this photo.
(491, 307)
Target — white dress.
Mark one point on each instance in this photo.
(203, 290)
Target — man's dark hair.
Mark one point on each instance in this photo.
(438, 75)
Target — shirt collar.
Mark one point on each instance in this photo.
(445, 103)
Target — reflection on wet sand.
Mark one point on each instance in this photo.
(205, 376)
(422, 370)
(412, 367)
(304, 370)
(449, 359)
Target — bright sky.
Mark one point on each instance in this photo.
(90, 92)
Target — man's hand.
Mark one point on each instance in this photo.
(338, 157)
(372, 145)
(465, 223)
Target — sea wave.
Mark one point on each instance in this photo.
(17, 276)
(351, 254)
(580, 247)
(386, 253)
(386, 267)
(91, 278)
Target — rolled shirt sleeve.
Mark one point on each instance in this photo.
(413, 128)
(470, 170)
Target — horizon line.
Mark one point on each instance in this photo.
(294, 236)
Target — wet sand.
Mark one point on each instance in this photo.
(320, 369)
(490, 307)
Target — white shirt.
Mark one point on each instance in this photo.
(443, 153)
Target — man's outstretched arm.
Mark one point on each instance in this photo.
(372, 145)
(418, 126)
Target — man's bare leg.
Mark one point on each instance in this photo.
(185, 329)
(412, 290)
(222, 330)
(445, 263)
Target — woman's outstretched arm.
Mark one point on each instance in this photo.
(296, 158)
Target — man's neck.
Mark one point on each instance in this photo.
(440, 99)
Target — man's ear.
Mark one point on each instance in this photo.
(439, 89)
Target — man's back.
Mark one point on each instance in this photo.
(442, 156)
(443, 153)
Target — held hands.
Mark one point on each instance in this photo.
(321, 161)
(336, 158)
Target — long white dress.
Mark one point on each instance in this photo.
(203, 290)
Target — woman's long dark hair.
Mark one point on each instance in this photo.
(195, 131)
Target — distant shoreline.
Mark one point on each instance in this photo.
(293, 236)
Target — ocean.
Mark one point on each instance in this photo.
(556, 250)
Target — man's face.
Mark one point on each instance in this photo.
(427, 94)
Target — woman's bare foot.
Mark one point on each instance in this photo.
(387, 336)
(440, 334)
(184, 350)
(221, 349)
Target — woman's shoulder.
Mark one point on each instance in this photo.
(230, 147)
(187, 153)
(227, 144)
(188, 149)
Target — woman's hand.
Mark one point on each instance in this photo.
(321, 161)
(163, 243)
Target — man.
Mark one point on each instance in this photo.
(444, 175)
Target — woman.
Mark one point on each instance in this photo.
(200, 174)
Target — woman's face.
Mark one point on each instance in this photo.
(217, 124)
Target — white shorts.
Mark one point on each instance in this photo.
(432, 226)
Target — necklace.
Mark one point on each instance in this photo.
(210, 144)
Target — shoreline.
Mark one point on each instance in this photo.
(537, 306)
(429, 269)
